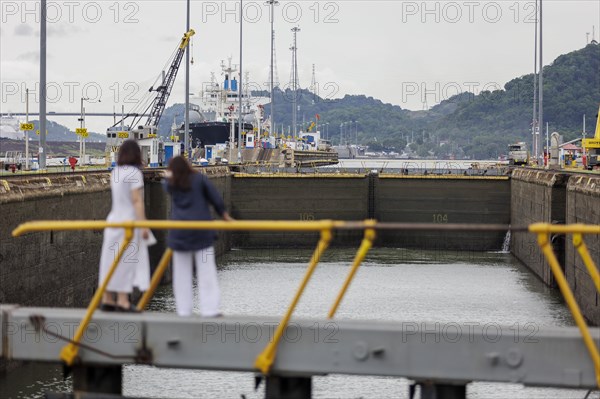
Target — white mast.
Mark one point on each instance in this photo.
(294, 79)
(272, 77)
(534, 120)
(541, 83)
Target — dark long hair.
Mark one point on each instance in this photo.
(182, 172)
(130, 154)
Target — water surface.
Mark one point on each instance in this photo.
(392, 285)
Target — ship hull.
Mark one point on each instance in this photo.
(211, 133)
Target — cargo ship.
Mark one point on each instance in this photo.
(214, 121)
(214, 128)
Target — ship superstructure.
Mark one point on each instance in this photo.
(215, 121)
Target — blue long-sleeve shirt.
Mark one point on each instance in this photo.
(193, 205)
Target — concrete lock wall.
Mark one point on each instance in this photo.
(51, 268)
(222, 180)
(297, 197)
(457, 199)
(385, 198)
(60, 268)
(583, 206)
(537, 197)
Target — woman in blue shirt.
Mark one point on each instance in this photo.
(191, 194)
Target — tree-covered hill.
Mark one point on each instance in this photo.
(476, 126)
(58, 132)
(489, 121)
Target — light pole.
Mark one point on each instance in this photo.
(42, 149)
(535, 79)
(27, 132)
(272, 3)
(540, 88)
(186, 123)
(349, 132)
(295, 84)
(81, 138)
(82, 135)
(240, 122)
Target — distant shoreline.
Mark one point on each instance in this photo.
(54, 148)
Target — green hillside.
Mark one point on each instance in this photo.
(489, 121)
(58, 132)
(466, 125)
(477, 126)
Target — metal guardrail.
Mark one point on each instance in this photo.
(266, 358)
(543, 231)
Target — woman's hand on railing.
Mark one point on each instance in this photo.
(227, 217)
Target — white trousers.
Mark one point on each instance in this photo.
(206, 272)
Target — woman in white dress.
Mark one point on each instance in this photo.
(127, 188)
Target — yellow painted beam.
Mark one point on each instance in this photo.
(441, 177)
(68, 354)
(544, 243)
(156, 278)
(249, 225)
(564, 229)
(265, 359)
(587, 259)
(364, 248)
(300, 176)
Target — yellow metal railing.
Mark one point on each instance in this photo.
(69, 352)
(364, 248)
(543, 231)
(265, 359)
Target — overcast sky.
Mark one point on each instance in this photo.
(390, 50)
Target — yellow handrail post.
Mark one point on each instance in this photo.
(587, 259)
(156, 277)
(364, 248)
(69, 351)
(544, 243)
(265, 359)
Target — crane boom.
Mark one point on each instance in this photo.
(164, 90)
(119, 132)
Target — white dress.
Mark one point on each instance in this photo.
(134, 266)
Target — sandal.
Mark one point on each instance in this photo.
(107, 307)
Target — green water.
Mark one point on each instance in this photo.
(392, 285)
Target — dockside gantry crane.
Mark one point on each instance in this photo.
(155, 106)
(164, 90)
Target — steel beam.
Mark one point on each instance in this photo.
(450, 353)
(278, 387)
(431, 390)
(50, 114)
(98, 379)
